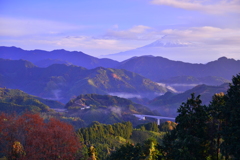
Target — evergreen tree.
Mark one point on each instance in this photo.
(167, 147)
(128, 152)
(215, 124)
(231, 125)
(189, 140)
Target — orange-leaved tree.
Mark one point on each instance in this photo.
(29, 137)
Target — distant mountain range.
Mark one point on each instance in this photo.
(159, 68)
(210, 80)
(43, 58)
(175, 49)
(170, 48)
(183, 83)
(62, 82)
(168, 103)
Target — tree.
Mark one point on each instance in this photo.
(231, 124)
(29, 137)
(167, 147)
(216, 116)
(128, 151)
(189, 140)
(146, 151)
(92, 153)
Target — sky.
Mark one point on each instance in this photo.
(102, 27)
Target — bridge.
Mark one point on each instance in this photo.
(143, 117)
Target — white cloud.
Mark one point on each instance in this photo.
(23, 27)
(138, 29)
(210, 6)
(205, 35)
(139, 32)
(86, 42)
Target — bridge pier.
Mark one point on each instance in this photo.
(143, 117)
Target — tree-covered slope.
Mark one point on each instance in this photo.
(13, 100)
(105, 108)
(62, 82)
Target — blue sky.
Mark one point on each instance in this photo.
(100, 27)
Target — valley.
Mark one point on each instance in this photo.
(136, 100)
(120, 80)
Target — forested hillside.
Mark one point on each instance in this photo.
(105, 109)
(17, 101)
(62, 82)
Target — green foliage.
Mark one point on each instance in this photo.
(147, 151)
(77, 122)
(168, 126)
(128, 151)
(152, 126)
(231, 117)
(105, 138)
(190, 136)
(216, 123)
(104, 101)
(105, 109)
(17, 101)
(203, 132)
(139, 136)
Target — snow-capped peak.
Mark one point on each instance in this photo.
(166, 42)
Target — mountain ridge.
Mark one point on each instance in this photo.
(163, 68)
(62, 82)
(74, 57)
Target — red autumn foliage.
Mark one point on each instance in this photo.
(29, 137)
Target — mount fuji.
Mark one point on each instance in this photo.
(172, 49)
(167, 43)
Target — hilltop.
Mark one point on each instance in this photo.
(14, 100)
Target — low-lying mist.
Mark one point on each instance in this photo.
(125, 95)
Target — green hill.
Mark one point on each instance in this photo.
(105, 109)
(14, 100)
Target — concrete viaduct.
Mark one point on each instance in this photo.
(143, 117)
